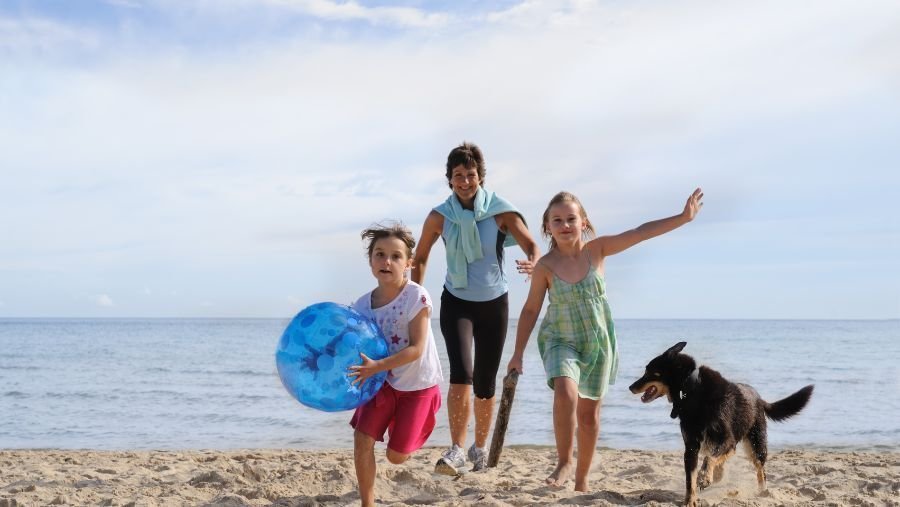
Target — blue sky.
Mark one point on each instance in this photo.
(219, 158)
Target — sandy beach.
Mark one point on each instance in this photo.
(295, 478)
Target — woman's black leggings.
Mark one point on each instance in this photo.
(482, 323)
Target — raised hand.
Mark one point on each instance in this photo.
(693, 204)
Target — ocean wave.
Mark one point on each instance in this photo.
(78, 395)
(227, 418)
(16, 367)
(242, 373)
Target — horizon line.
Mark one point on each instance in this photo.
(878, 319)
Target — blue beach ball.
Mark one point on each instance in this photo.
(316, 350)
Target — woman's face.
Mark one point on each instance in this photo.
(464, 182)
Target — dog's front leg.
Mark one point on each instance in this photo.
(691, 454)
(704, 476)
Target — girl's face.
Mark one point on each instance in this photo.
(389, 260)
(464, 182)
(565, 222)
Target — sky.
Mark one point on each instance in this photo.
(219, 158)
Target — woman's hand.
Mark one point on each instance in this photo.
(525, 267)
(362, 372)
(693, 205)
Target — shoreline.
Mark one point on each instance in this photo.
(293, 477)
(773, 449)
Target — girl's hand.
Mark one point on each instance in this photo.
(693, 205)
(362, 372)
(515, 363)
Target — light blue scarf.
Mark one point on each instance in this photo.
(463, 244)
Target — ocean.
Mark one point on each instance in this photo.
(212, 384)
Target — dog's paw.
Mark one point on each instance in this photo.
(704, 478)
(703, 482)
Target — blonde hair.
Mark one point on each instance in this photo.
(390, 230)
(559, 198)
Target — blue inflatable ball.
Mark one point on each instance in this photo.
(316, 350)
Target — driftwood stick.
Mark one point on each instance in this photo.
(506, 401)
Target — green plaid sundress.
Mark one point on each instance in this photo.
(577, 338)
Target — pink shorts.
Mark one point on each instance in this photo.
(408, 416)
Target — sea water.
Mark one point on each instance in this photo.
(212, 384)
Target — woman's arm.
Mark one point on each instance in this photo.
(431, 231)
(513, 224)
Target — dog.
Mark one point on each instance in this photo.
(715, 415)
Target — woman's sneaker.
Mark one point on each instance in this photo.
(452, 462)
(478, 458)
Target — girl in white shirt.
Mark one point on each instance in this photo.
(407, 403)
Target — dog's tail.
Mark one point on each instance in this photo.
(782, 409)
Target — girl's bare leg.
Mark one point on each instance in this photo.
(395, 457)
(565, 400)
(588, 413)
(364, 460)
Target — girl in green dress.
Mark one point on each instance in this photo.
(577, 338)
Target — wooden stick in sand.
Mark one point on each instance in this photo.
(506, 401)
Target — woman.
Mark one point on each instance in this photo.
(475, 225)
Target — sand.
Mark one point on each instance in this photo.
(295, 478)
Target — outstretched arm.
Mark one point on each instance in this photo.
(513, 224)
(431, 231)
(611, 245)
(540, 282)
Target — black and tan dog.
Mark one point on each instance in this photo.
(715, 415)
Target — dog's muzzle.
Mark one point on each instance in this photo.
(649, 390)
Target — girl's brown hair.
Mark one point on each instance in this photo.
(390, 230)
(562, 197)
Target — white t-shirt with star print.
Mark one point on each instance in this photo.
(393, 319)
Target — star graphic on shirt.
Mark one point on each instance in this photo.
(395, 339)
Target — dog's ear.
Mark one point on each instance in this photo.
(674, 349)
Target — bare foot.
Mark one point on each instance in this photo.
(561, 475)
(581, 485)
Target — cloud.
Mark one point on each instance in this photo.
(542, 13)
(351, 10)
(128, 4)
(40, 35)
(104, 300)
(265, 157)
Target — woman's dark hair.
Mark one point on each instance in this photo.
(469, 156)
